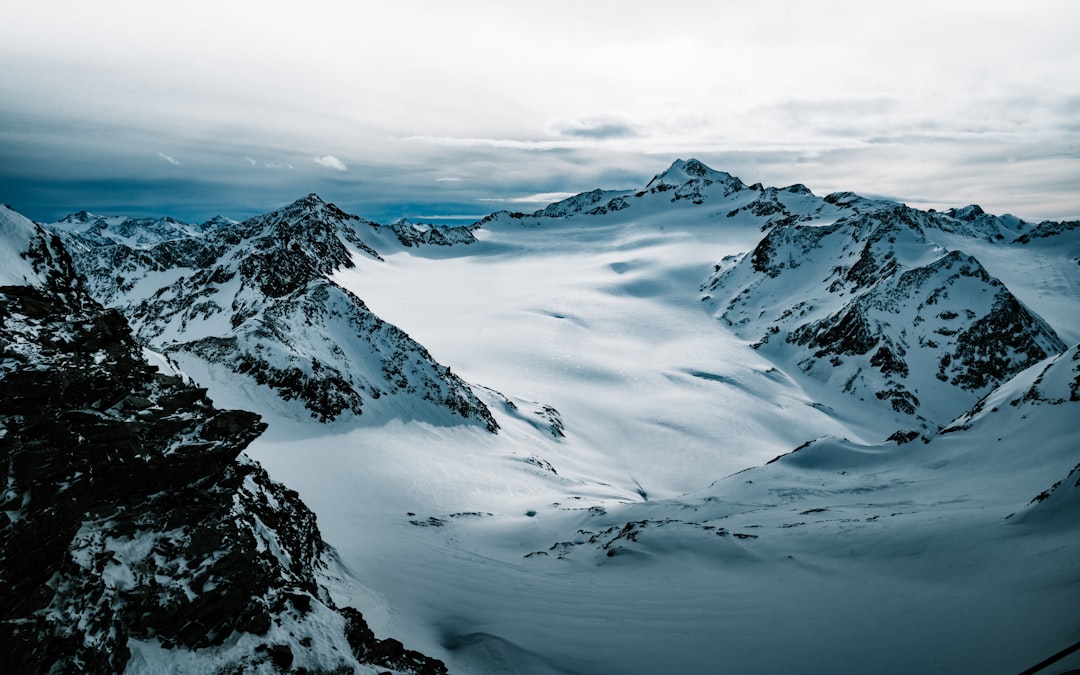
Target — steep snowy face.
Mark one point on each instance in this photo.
(253, 299)
(134, 533)
(870, 306)
(30, 256)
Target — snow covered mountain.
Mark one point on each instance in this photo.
(872, 306)
(135, 535)
(737, 428)
(253, 299)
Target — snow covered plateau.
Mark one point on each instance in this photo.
(696, 427)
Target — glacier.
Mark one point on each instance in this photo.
(698, 426)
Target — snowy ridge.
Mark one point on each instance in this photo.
(253, 299)
(875, 308)
(1055, 381)
(972, 221)
(412, 234)
(1049, 230)
(133, 232)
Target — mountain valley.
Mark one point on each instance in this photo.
(700, 426)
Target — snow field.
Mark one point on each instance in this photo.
(843, 557)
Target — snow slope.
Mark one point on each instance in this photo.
(16, 232)
(613, 547)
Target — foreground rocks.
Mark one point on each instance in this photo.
(133, 531)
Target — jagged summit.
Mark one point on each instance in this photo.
(78, 217)
(692, 171)
(590, 203)
(309, 201)
(969, 212)
(255, 299)
(218, 221)
(310, 209)
(689, 180)
(682, 170)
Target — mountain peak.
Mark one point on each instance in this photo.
(968, 213)
(684, 171)
(692, 166)
(80, 217)
(218, 221)
(311, 201)
(311, 206)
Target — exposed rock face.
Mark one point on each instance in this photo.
(580, 203)
(1048, 230)
(870, 304)
(418, 234)
(130, 520)
(255, 299)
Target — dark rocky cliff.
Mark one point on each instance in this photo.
(129, 514)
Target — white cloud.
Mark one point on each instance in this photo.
(330, 162)
(563, 106)
(510, 143)
(454, 216)
(593, 126)
(538, 198)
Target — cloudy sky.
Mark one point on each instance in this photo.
(425, 109)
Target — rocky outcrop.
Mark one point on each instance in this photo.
(131, 521)
(872, 305)
(411, 234)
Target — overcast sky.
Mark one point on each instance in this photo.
(424, 109)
